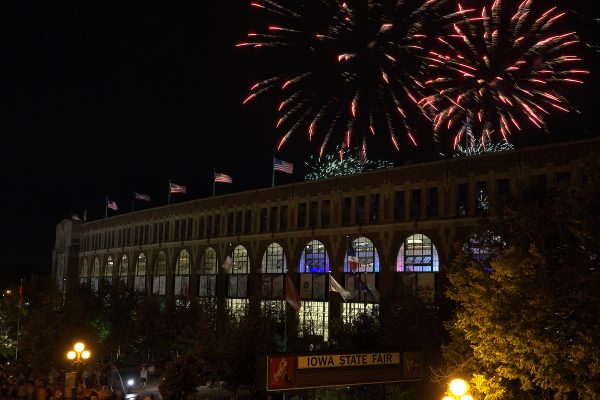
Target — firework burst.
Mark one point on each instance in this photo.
(348, 67)
(501, 71)
(344, 162)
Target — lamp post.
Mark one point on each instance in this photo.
(78, 355)
(459, 390)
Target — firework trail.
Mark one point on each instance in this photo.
(349, 72)
(501, 71)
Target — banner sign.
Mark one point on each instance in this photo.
(347, 360)
(287, 371)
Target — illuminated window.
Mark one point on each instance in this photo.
(207, 284)
(351, 311)
(123, 271)
(274, 309)
(182, 274)
(273, 261)
(237, 285)
(241, 262)
(367, 256)
(108, 273)
(140, 273)
(272, 269)
(314, 319)
(417, 254)
(237, 307)
(314, 258)
(84, 273)
(160, 274)
(95, 279)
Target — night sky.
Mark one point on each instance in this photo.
(100, 98)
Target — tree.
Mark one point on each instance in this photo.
(526, 288)
(181, 378)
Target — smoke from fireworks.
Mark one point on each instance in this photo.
(501, 71)
(349, 72)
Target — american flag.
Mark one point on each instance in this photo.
(219, 177)
(174, 188)
(283, 166)
(141, 196)
(112, 205)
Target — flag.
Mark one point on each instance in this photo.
(21, 294)
(174, 188)
(291, 294)
(75, 217)
(112, 205)
(334, 286)
(228, 263)
(141, 196)
(365, 286)
(219, 177)
(283, 166)
(353, 262)
(85, 215)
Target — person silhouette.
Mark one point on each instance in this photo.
(143, 377)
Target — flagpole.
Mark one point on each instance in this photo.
(132, 198)
(19, 321)
(214, 174)
(106, 207)
(169, 194)
(273, 180)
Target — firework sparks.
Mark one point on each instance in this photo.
(350, 66)
(496, 69)
(343, 162)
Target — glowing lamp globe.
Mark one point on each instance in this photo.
(71, 355)
(85, 355)
(448, 398)
(458, 387)
(466, 397)
(79, 347)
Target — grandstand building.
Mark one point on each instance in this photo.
(403, 223)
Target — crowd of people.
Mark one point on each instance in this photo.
(19, 383)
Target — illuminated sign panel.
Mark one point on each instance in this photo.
(299, 371)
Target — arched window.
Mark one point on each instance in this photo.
(96, 268)
(361, 265)
(209, 262)
(314, 311)
(95, 279)
(84, 273)
(272, 268)
(207, 284)
(237, 284)
(123, 271)
(273, 261)
(182, 274)
(241, 263)
(417, 254)
(140, 273)
(365, 251)
(314, 258)
(160, 274)
(108, 274)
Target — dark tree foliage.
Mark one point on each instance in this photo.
(527, 320)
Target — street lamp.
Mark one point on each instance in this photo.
(78, 355)
(458, 389)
